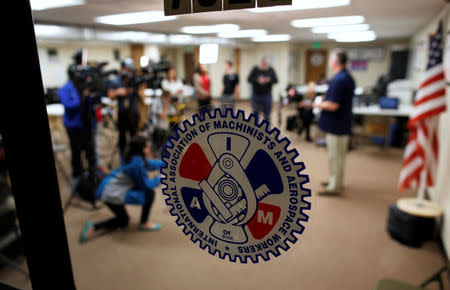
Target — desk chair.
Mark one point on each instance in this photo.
(388, 284)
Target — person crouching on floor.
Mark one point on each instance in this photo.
(129, 184)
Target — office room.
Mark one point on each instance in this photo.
(139, 115)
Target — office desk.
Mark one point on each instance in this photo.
(375, 110)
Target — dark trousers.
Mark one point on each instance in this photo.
(307, 117)
(204, 104)
(81, 141)
(262, 104)
(121, 218)
(127, 123)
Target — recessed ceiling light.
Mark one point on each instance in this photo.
(205, 29)
(302, 5)
(55, 31)
(134, 18)
(341, 28)
(353, 36)
(180, 39)
(327, 21)
(243, 33)
(132, 36)
(272, 38)
(49, 4)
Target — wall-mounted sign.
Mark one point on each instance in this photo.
(235, 187)
(366, 53)
(176, 7)
(358, 65)
(317, 59)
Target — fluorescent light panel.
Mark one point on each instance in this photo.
(353, 36)
(341, 28)
(49, 4)
(134, 18)
(55, 31)
(207, 29)
(272, 38)
(133, 36)
(243, 33)
(327, 21)
(180, 39)
(302, 5)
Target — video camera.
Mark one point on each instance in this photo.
(152, 74)
(91, 76)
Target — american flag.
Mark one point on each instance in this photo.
(421, 152)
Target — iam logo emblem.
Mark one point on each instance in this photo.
(235, 187)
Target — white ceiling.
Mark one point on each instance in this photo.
(388, 18)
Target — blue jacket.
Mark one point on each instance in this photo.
(70, 98)
(128, 183)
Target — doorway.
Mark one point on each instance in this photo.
(316, 65)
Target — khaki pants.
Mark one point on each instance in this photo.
(337, 146)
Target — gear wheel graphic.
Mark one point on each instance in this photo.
(235, 186)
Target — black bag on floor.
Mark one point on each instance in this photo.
(408, 229)
(292, 123)
(87, 187)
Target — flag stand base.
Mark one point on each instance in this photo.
(411, 224)
(426, 208)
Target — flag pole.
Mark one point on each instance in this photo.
(422, 187)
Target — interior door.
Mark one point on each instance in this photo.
(188, 66)
(316, 64)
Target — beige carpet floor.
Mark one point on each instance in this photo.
(345, 244)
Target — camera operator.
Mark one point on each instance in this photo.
(122, 88)
(79, 119)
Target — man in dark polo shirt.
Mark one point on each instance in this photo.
(336, 120)
(262, 78)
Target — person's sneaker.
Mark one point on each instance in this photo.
(324, 183)
(85, 232)
(75, 181)
(143, 228)
(328, 192)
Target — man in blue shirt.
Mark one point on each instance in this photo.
(336, 121)
(79, 120)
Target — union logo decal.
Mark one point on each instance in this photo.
(235, 187)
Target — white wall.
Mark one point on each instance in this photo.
(365, 79)
(250, 56)
(440, 193)
(54, 70)
(216, 70)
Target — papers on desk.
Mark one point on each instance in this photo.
(317, 100)
(187, 91)
(375, 110)
(401, 89)
(320, 89)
